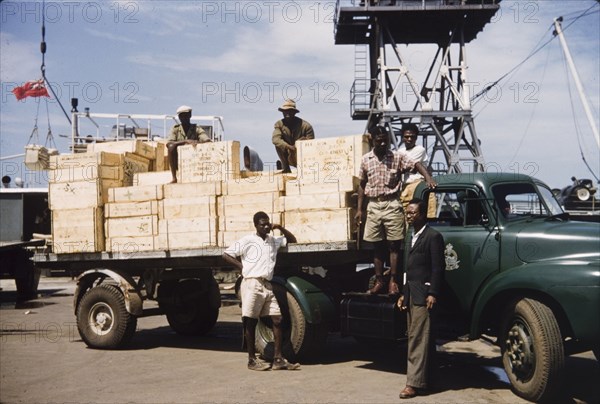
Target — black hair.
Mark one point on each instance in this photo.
(259, 215)
(421, 204)
(411, 127)
(378, 130)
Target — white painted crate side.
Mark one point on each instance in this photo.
(77, 230)
(85, 159)
(194, 189)
(304, 186)
(127, 209)
(152, 178)
(88, 172)
(317, 226)
(238, 205)
(244, 223)
(264, 183)
(213, 161)
(331, 157)
(80, 194)
(131, 245)
(137, 226)
(317, 201)
(179, 208)
(137, 146)
(132, 164)
(136, 193)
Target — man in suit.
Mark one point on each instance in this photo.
(423, 281)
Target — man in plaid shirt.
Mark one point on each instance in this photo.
(381, 173)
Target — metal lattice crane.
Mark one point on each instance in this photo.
(391, 93)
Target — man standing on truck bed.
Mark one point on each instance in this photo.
(183, 133)
(380, 182)
(287, 131)
(258, 254)
(424, 276)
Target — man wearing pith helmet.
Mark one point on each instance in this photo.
(287, 131)
(183, 133)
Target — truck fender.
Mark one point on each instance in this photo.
(133, 298)
(317, 306)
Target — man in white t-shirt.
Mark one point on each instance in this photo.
(258, 253)
(416, 152)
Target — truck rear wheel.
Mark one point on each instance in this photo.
(102, 319)
(301, 339)
(191, 305)
(532, 350)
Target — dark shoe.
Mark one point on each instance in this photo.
(393, 288)
(408, 392)
(257, 364)
(283, 364)
(377, 288)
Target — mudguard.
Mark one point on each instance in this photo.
(133, 298)
(317, 306)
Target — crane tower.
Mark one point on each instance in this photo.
(387, 88)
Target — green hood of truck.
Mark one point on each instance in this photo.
(541, 240)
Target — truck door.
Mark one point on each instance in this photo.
(462, 216)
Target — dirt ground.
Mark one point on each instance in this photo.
(43, 360)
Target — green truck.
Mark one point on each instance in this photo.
(518, 272)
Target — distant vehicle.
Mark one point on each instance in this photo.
(579, 200)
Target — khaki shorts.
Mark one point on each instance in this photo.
(258, 299)
(385, 221)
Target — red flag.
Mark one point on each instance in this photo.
(31, 89)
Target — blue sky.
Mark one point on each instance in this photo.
(240, 59)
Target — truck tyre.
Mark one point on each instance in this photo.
(301, 340)
(192, 308)
(102, 319)
(532, 350)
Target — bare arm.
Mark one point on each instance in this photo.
(286, 233)
(234, 262)
(423, 171)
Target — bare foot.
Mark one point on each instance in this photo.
(173, 181)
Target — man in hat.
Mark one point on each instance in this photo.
(183, 133)
(287, 131)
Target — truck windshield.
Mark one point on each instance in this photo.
(518, 200)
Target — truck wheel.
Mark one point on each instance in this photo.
(301, 339)
(102, 319)
(532, 350)
(192, 307)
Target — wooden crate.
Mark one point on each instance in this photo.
(180, 208)
(189, 232)
(133, 164)
(227, 238)
(331, 157)
(249, 204)
(191, 190)
(269, 182)
(318, 226)
(63, 161)
(136, 193)
(214, 161)
(137, 146)
(131, 245)
(152, 178)
(77, 230)
(305, 186)
(85, 173)
(244, 222)
(318, 201)
(80, 194)
(137, 226)
(127, 209)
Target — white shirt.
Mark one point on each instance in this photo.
(416, 236)
(258, 255)
(417, 153)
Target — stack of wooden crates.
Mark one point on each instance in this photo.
(122, 200)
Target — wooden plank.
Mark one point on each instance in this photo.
(133, 164)
(77, 230)
(244, 223)
(320, 185)
(331, 157)
(137, 146)
(152, 178)
(126, 209)
(136, 193)
(317, 226)
(190, 240)
(85, 159)
(317, 201)
(85, 173)
(214, 161)
(193, 189)
(188, 225)
(269, 182)
(179, 208)
(132, 245)
(237, 205)
(227, 238)
(131, 226)
(80, 194)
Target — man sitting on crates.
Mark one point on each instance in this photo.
(183, 133)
